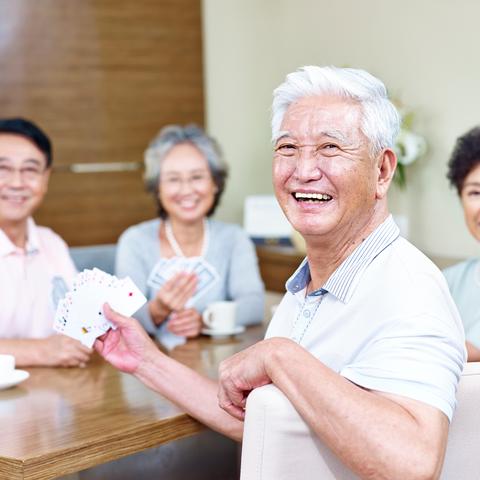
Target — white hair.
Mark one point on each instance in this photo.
(380, 121)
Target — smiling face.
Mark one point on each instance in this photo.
(325, 179)
(186, 188)
(23, 179)
(470, 198)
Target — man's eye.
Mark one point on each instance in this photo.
(473, 193)
(31, 170)
(286, 149)
(4, 168)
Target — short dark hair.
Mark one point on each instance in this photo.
(31, 131)
(465, 156)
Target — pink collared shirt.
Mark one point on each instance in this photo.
(28, 278)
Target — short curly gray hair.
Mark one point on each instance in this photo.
(171, 136)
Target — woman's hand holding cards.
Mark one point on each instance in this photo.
(173, 295)
(187, 323)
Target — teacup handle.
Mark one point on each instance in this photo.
(207, 317)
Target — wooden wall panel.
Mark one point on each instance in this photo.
(101, 77)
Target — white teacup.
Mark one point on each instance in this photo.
(220, 316)
(7, 365)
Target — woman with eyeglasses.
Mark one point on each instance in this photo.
(35, 265)
(186, 174)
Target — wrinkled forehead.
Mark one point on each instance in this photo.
(19, 149)
(311, 118)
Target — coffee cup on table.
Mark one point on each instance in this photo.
(220, 316)
(7, 365)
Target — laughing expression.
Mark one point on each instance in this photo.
(323, 173)
(19, 194)
(186, 188)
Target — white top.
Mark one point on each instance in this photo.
(464, 282)
(384, 319)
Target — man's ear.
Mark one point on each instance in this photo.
(386, 165)
(46, 178)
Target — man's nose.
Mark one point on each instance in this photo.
(16, 178)
(308, 165)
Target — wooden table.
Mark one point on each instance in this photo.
(61, 421)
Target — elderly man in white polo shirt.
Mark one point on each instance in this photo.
(367, 343)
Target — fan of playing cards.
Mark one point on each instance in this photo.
(166, 268)
(80, 313)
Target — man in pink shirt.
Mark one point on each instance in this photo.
(35, 265)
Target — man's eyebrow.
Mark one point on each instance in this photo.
(334, 134)
(280, 135)
(27, 160)
(32, 160)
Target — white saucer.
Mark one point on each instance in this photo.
(223, 333)
(13, 378)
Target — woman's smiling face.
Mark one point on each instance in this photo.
(470, 198)
(186, 189)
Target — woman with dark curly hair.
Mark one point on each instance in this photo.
(464, 278)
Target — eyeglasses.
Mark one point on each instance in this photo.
(27, 174)
(176, 183)
(291, 150)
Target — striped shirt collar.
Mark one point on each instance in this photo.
(342, 282)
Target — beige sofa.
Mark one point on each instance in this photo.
(278, 445)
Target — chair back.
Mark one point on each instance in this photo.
(278, 444)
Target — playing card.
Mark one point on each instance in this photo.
(80, 313)
(207, 276)
(165, 269)
(126, 298)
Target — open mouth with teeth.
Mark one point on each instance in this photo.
(311, 197)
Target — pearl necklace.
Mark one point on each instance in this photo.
(176, 247)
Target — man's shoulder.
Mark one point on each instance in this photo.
(48, 238)
(403, 279)
(406, 259)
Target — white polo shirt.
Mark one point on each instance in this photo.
(384, 319)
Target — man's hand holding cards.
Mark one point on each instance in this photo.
(80, 313)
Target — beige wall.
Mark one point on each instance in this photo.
(426, 52)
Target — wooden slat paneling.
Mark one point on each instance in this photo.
(101, 77)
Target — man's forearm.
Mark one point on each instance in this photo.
(194, 393)
(27, 352)
(372, 434)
